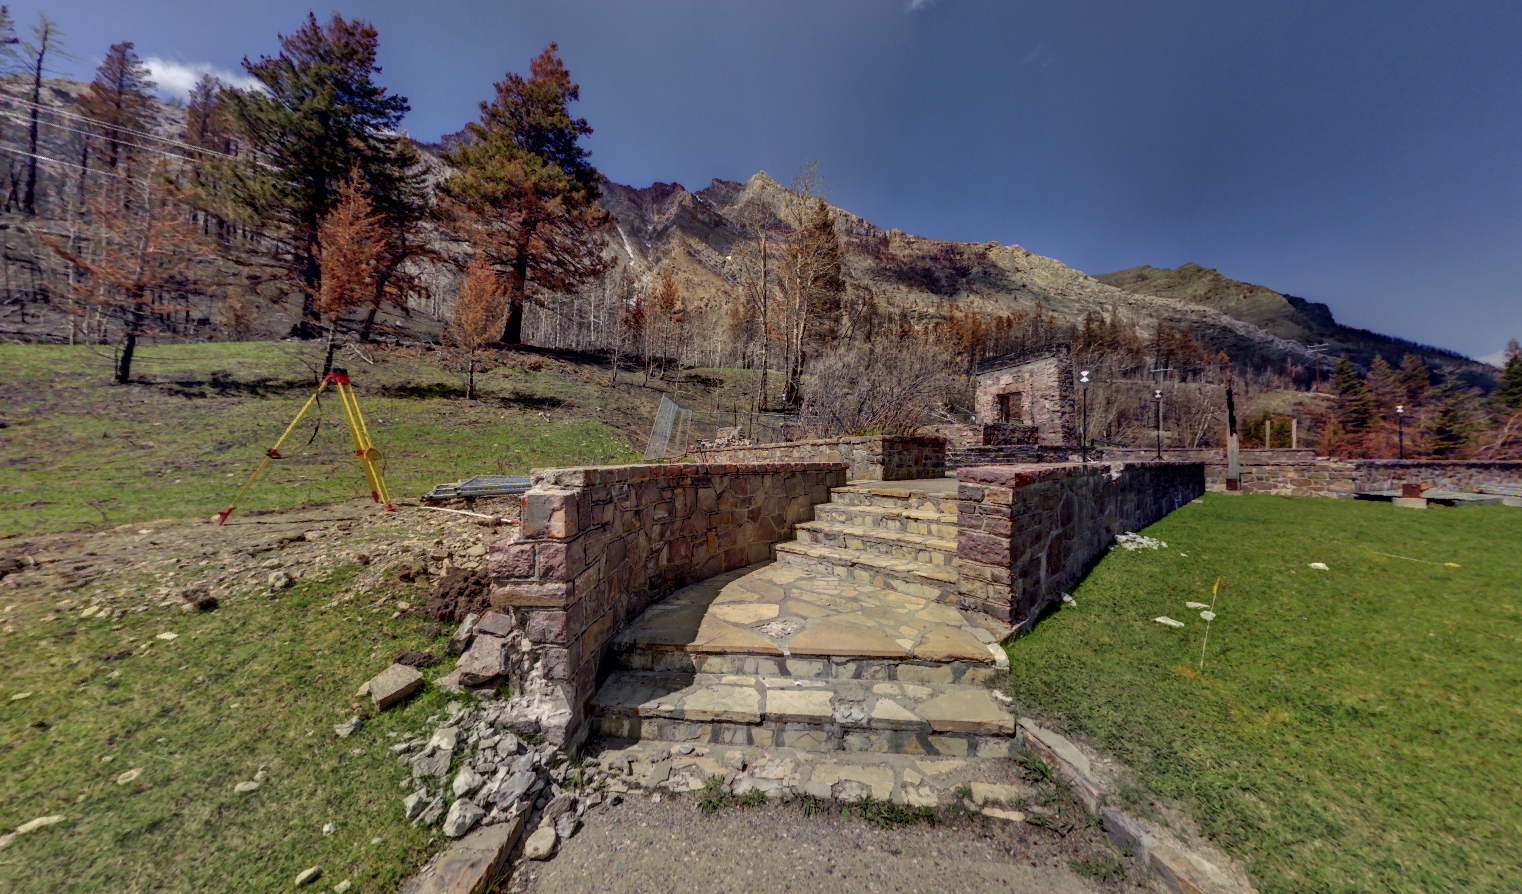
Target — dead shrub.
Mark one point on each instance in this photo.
(883, 386)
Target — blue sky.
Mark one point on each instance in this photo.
(1364, 154)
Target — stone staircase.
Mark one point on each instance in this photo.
(850, 641)
(897, 538)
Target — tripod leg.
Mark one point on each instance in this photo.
(372, 456)
(272, 453)
(369, 457)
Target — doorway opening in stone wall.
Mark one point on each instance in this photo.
(1009, 407)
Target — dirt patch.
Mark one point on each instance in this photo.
(459, 593)
(417, 659)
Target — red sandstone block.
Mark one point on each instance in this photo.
(548, 627)
(532, 595)
(985, 548)
(555, 664)
(597, 633)
(513, 561)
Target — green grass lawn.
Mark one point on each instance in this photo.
(1357, 729)
(258, 682)
(78, 452)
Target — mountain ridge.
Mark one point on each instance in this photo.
(693, 232)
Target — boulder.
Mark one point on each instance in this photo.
(394, 684)
(495, 624)
(463, 635)
(483, 662)
(540, 844)
(462, 817)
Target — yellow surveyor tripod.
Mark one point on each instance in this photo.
(369, 457)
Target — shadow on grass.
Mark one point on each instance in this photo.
(419, 391)
(221, 384)
(532, 401)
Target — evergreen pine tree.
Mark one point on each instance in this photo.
(1508, 393)
(1415, 379)
(1453, 426)
(1354, 410)
(120, 100)
(523, 192)
(319, 119)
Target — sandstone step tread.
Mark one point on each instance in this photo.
(849, 557)
(821, 714)
(924, 541)
(777, 772)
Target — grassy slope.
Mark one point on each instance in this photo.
(250, 684)
(81, 453)
(1352, 730)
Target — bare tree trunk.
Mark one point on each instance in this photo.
(29, 196)
(129, 347)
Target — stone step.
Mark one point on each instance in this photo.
(886, 717)
(989, 785)
(937, 582)
(889, 497)
(907, 521)
(912, 547)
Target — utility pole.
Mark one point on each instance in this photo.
(1315, 351)
(1400, 428)
(1233, 445)
(766, 345)
(1157, 395)
(1083, 438)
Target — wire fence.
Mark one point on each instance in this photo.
(677, 431)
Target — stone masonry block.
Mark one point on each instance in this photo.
(515, 560)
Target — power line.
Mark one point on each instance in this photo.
(14, 116)
(129, 130)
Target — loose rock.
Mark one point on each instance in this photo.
(463, 815)
(307, 876)
(347, 728)
(540, 844)
(394, 684)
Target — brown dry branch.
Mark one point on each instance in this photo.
(142, 250)
(475, 321)
(350, 242)
(885, 386)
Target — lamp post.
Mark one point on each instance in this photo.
(1400, 428)
(1157, 395)
(1083, 439)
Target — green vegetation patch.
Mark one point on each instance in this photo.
(78, 452)
(138, 742)
(1355, 729)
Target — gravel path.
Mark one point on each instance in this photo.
(670, 846)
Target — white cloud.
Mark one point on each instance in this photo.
(917, 5)
(179, 78)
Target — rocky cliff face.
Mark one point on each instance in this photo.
(695, 232)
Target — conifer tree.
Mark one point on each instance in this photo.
(120, 100)
(350, 240)
(1415, 379)
(475, 320)
(1453, 425)
(319, 119)
(523, 192)
(1508, 393)
(1354, 408)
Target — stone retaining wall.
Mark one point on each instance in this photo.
(597, 546)
(1301, 473)
(962, 457)
(1027, 533)
(869, 458)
